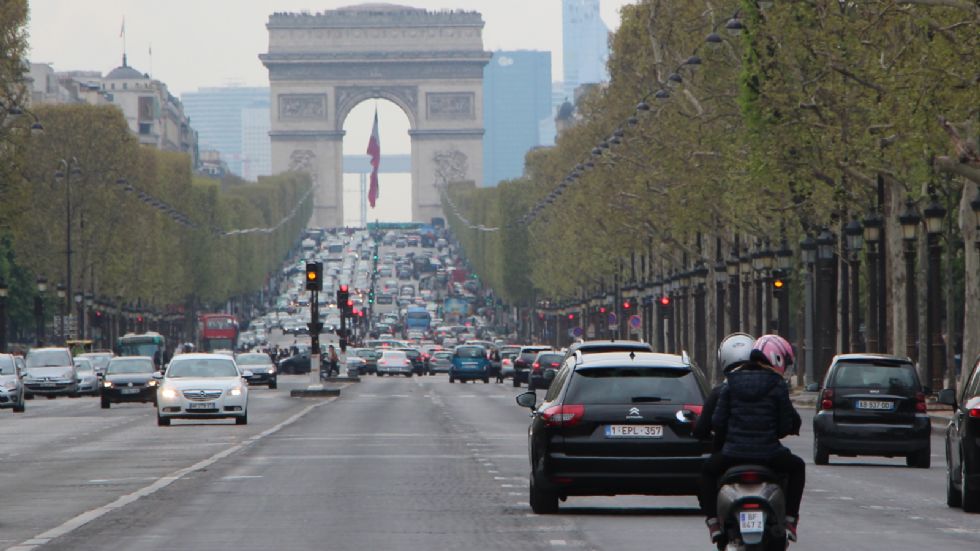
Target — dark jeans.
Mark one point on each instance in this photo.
(785, 463)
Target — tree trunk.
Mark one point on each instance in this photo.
(895, 270)
(971, 299)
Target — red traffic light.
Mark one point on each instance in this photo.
(571, 316)
(343, 288)
(602, 309)
(350, 304)
(665, 300)
(626, 305)
(360, 313)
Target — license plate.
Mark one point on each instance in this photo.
(634, 431)
(129, 391)
(875, 404)
(200, 405)
(751, 521)
(49, 385)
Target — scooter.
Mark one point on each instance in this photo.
(752, 510)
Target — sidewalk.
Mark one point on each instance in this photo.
(938, 413)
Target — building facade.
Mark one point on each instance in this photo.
(516, 105)
(219, 116)
(154, 116)
(256, 148)
(585, 44)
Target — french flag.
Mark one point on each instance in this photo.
(374, 150)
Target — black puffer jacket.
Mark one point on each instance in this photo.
(754, 412)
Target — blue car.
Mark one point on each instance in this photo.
(470, 363)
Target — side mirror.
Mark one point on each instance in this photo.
(158, 375)
(527, 400)
(947, 396)
(247, 374)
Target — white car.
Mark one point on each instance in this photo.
(202, 386)
(394, 362)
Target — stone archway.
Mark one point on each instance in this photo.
(428, 63)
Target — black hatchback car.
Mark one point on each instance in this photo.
(128, 379)
(616, 423)
(963, 444)
(523, 362)
(872, 404)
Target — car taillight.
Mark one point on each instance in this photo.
(975, 413)
(536, 366)
(554, 364)
(506, 361)
(827, 399)
(920, 402)
(563, 416)
(695, 409)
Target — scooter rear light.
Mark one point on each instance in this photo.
(827, 399)
(751, 478)
(750, 506)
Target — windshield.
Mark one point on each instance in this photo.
(83, 365)
(471, 352)
(631, 385)
(253, 359)
(879, 376)
(7, 366)
(48, 358)
(202, 367)
(100, 361)
(148, 349)
(130, 366)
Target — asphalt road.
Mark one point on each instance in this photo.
(394, 463)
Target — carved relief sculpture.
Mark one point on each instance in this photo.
(303, 160)
(450, 105)
(451, 165)
(302, 106)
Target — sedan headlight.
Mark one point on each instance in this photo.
(151, 382)
(168, 393)
(272, 370)
(107, 384)
(237, 391)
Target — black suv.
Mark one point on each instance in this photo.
(616, 423)
(963, 444)
(872, 404)
(523, 362)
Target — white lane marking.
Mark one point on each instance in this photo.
(558, 543)
(522, 478)
(515, 493)
(241, 477)
(78, 521)
(120, 480)
(493, 472)
(508, 485)
(354, 456)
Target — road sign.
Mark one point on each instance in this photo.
(612, 319)
(576, 332)
(635, 321)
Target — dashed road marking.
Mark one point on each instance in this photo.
(558, 543)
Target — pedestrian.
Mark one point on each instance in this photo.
(333, 363)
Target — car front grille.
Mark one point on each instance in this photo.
(202, 395)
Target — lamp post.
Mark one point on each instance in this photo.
(873, 223)
(61, 303)
(87, 325)
(687, 292)
(910, 224)
(934, 216)
(700, 277)
(80, 324)
(734, 300)
(3, 315)
(757, 269)
(808, 246)
(42, 287)
(768, 260)
(784, 260)
(721, 279)
(745, 271)
(826, 301)
(854, 233)
(67, 169)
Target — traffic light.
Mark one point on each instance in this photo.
(371, 296)
(602, 309)
(343, 296)
(626, 305)
(571, 317)
(314, 276)
(665, 302)
(778, 284)
(349, 307)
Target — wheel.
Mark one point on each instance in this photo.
(243, 420)
(51, 396)
(543, 502)
(486, 380)
(953, 496)
(821, 456)
(451, 379)
(969, 495)
(105, 403)
(409, 375)
(921, 459)
(273, 384)
(162, 421)
(381, 374)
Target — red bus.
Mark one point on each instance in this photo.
(218, 332)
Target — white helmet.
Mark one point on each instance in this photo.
(734, 349)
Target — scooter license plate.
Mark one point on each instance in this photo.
(751, 521)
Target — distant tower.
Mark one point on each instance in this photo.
(585, 44)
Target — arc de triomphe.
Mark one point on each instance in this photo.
(428, 63)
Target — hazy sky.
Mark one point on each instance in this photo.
(200, 43)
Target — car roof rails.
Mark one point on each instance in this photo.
(685, 358)
(579, 357)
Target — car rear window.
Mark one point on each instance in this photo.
(548, 359)
(471, 352)
(876, 376)
(633, 385)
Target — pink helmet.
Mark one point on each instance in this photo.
(774, 351)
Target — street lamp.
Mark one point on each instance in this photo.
(854, 234)
(68, 168)
(808, 248)
(61, 303)
(79, 324)
(42, 287)
(935, 213)
(784, 262)
(745, 271)
(910, 220)
(3, 315)
(721, 278)
(700, 276)
(734, 300)
(826, 301)
(87, 325)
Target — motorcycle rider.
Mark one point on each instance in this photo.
(732, 352)
(752, 414)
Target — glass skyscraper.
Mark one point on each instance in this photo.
(218, 114)
(585, 45)
(516, 104)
